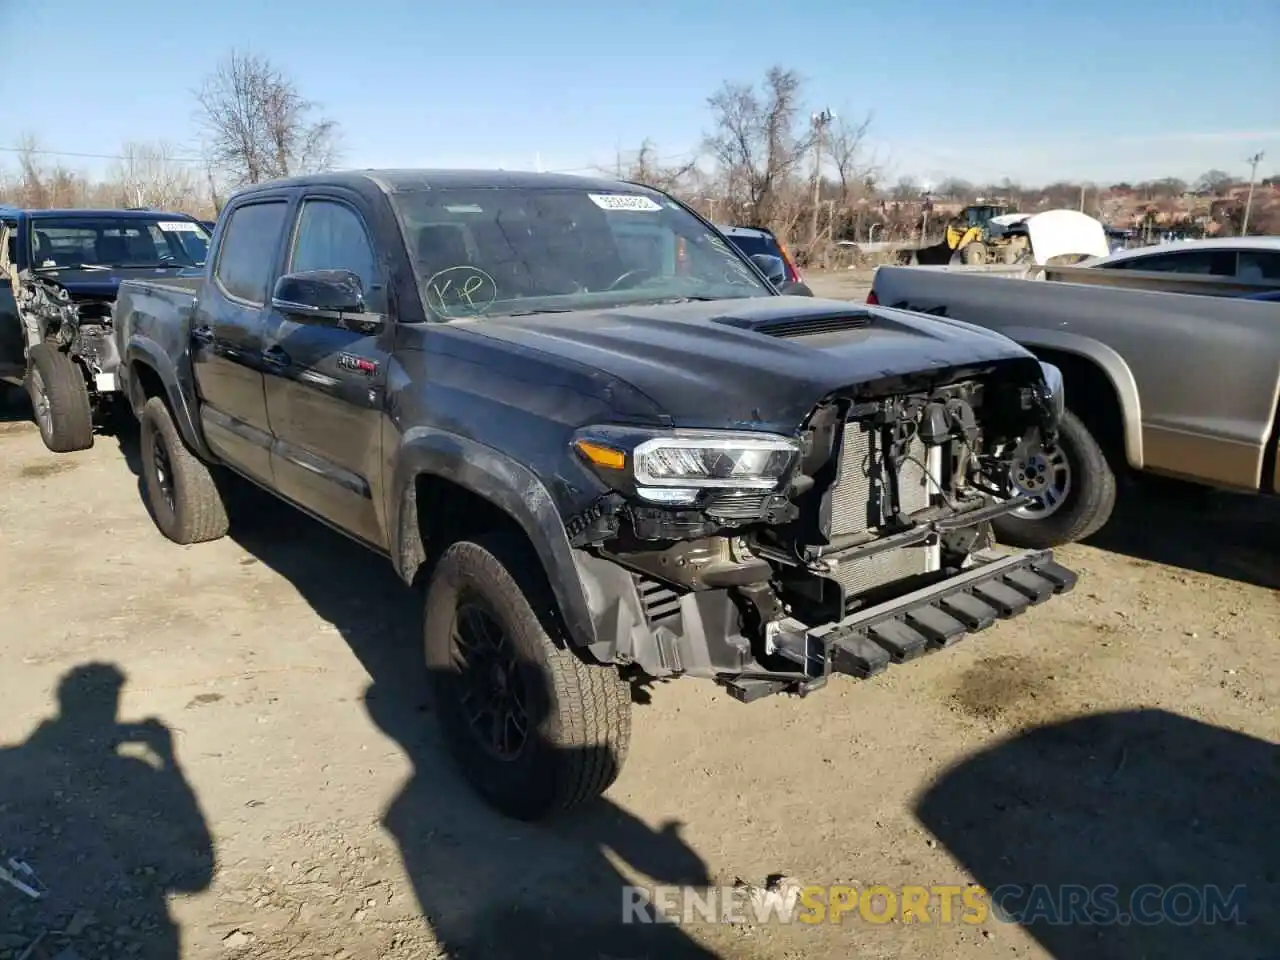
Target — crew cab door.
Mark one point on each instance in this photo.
(324, 383)
(227, 333)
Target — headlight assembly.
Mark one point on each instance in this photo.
(676, 467)
(743, 463)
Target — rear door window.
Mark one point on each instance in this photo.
(247, 257)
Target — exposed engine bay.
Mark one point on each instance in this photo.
(888, 495)
(81, 326)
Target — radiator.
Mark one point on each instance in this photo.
(858, 504)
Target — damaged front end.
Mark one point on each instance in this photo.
(769, 562)
(78, 324)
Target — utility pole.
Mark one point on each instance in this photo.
(821, 121)
(1253, 175)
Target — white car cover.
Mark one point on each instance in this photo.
(1055, 233)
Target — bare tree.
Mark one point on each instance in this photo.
(647, 168)
(257, 125)
(31, 183)
(907, 188)
(149, 176)
(955, 188)
(759, 141)
(847, 146)
(1214, 182)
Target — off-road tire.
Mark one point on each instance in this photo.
(198, 512)
(579, 713)
(69, 424)
(1088, 505)
(974, 254)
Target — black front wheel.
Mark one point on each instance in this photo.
(532, 726)
(1075, 487)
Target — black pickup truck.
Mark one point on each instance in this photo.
(59, 270)
(599, 437)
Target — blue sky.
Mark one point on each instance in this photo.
(1028, 89)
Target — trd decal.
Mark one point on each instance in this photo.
(359, 364)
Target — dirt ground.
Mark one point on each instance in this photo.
(269, 785)
(840, 284)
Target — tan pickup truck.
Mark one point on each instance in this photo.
(1174, 375)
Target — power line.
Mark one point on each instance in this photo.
(673, 158)
(94, 156)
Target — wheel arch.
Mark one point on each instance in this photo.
(481, 490)
(1091, 364)
(151, 372)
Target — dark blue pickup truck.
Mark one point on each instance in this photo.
(59, 272)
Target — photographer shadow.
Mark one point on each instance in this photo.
(495, 888)
(488, 886)
(102, 813)
(1137, 833)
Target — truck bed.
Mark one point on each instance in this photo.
(1152, 280)
(155, 311)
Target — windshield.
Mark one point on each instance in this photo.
(104, 241)
(488, 252)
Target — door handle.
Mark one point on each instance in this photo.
(275, 357)
(202, 334)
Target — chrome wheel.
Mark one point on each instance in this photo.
(40, 401)
(1045, 475)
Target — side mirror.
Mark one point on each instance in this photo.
(772, 267)
(320, 295)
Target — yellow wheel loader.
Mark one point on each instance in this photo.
(982, 233)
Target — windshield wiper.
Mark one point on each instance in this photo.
(531, 313)
(74, 266)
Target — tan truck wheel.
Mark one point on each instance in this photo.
(1078, 492)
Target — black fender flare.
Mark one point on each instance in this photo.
(509, 486)
(150, 354)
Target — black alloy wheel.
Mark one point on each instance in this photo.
(493, 693)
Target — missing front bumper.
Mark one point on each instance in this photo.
(865, 643)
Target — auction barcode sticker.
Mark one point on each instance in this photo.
(178, 226)
(623, 201)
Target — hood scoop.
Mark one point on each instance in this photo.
(814, 326)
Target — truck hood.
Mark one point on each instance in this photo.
(103, 284)
(764, 361)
